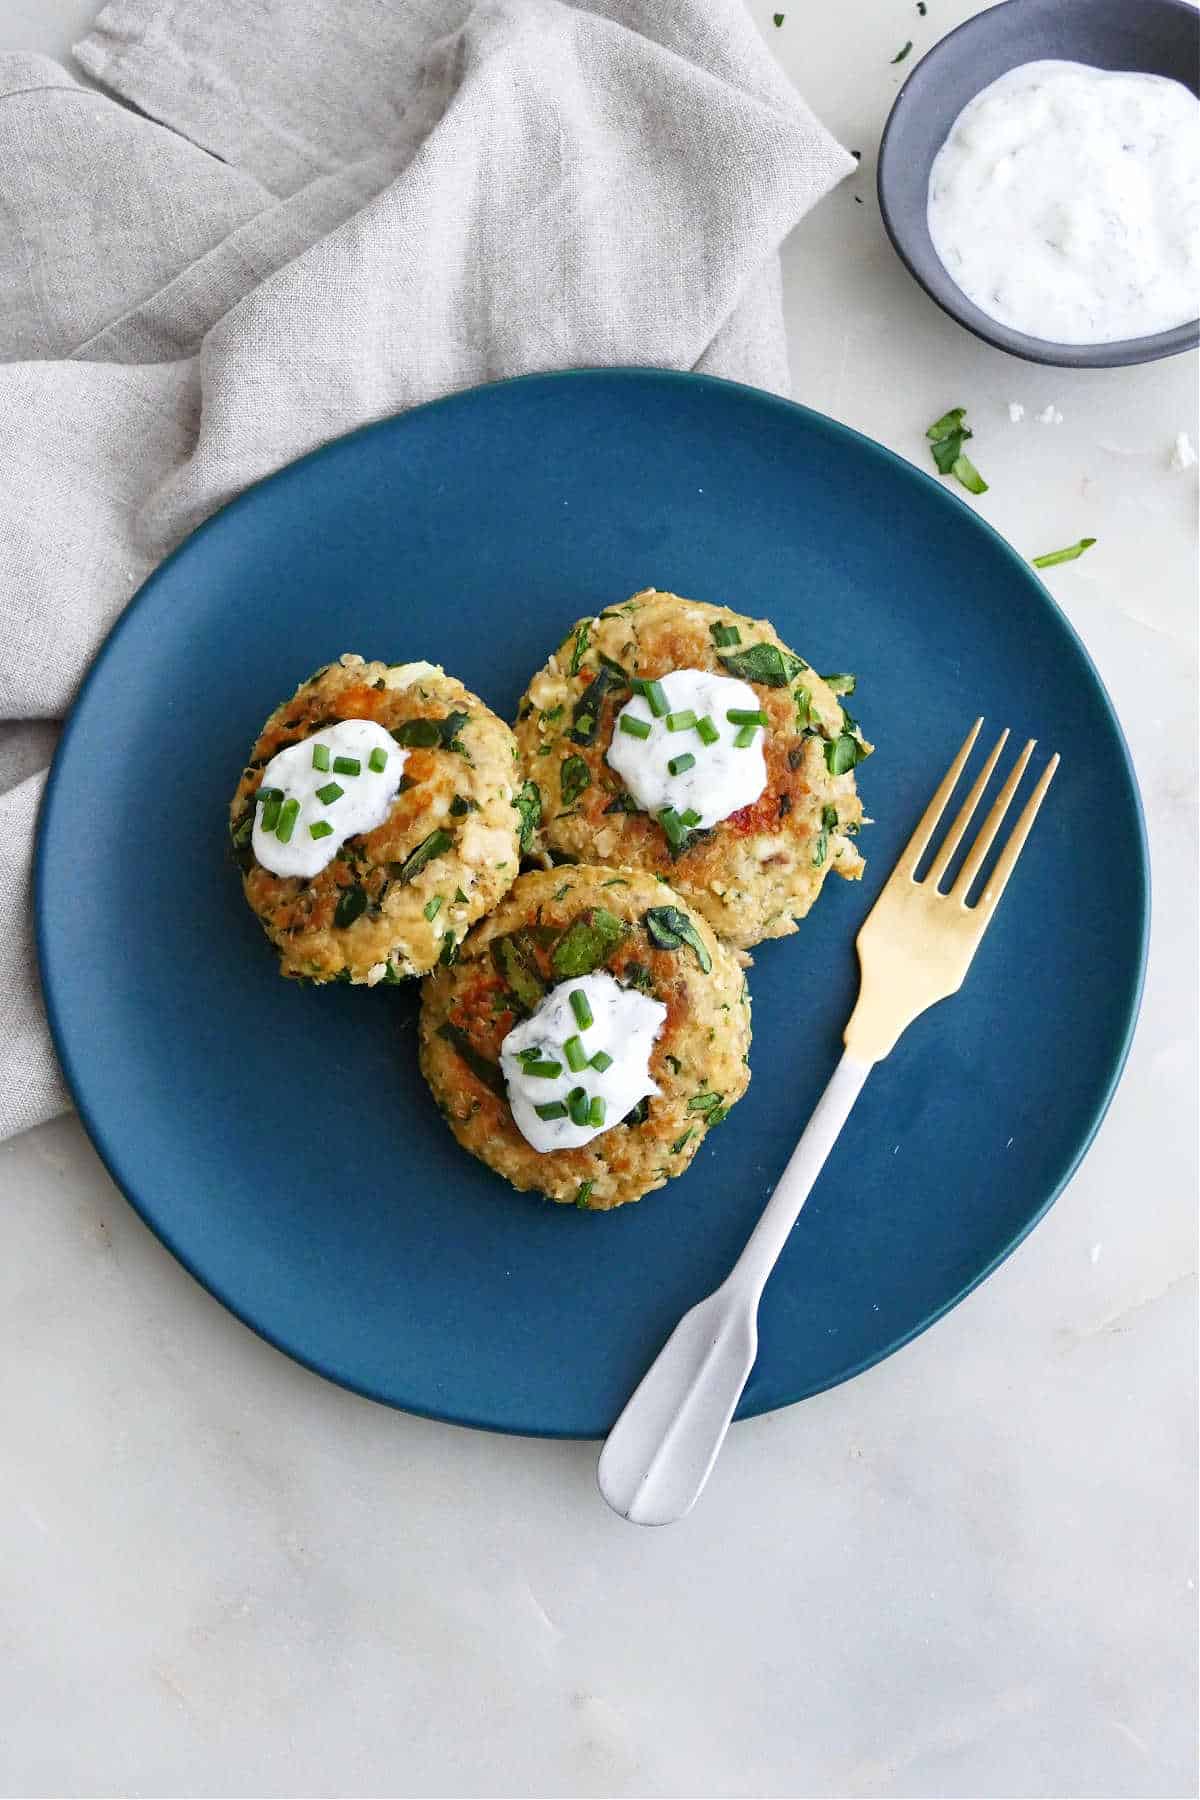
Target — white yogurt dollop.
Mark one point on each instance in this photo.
(722, 777)
(360, 803)
(624, 1025)
(1066, 203)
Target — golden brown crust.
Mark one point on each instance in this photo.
(756, 872)
(465, 789)
(699, 1060)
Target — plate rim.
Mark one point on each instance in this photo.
(108, 1151)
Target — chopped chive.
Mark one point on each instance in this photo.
(681, 721)
(576, 1055)
(601, 1061)
(460, 899)
(738, 715)
(378, 759)
(553, 1109)
(679, 1143)
(578, 1106)
(289, 813)
(270, 812)
(745, 737)
(581, 1009)
(531, 1054)
(321, 829)
(634, 727)
(596, 1111)
(347, 765)
(652, 693)
(829, 818)
(1053, 557)
(433, 907)
(706, 730)
(544, 1071)
(690, 818)
(329, 793)
(841, 684)
(724, 635)
(583, 1195)
(268, 793)
(679, 765)
(673, 826)
(321, 757)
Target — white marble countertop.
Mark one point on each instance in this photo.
(969, 1572)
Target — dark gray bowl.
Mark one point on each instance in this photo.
(1154, 37)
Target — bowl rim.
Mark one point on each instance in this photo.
(950, 298)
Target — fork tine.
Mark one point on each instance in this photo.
(913, 851)
(966, 812)
(990, 826)
(1007, 861)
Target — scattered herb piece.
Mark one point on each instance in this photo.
(449, 950)
(947, 436)
(679, 765)
(460, 899)
(551, 1109)
(633, 727)
(377, 760)
(706, 730)
(543, 1071)
(329, 793)
(680, 1142)
(597, 1110)
(670, 928)
(680, 721)
(637, 975)
(528, 802)
(601, 1061)
(842, 754)
(427, 734)
(576, 1055)
(623, 803)
(922, 8)
(820, 849)
(587, 943)
(704, 1103)
(1061, 556)
(352, 903)
(436, 844)
(321, 829)
(829, 817)
(573, 777)
(583, 632)
(433, 907)
(489, 1073)
(583, 1194)
(271, 811)
(901, 54)
(578, 1106)
(615, 881)
(766, 664)
(745, 737)
(740, 716)
(637, 1115)
(514, 960)
(586, 717)
(674, 828)
(778, 18)
(288, 814)
(460, 806)
(321, 757)
(725, 635)
(690, 817)
(347, 765)
(581, 1009)
(841, 684)
(653, 694)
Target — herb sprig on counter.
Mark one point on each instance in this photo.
(947, 436)
(1061, 556)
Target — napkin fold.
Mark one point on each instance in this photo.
(323, 212)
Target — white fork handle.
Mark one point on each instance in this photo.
(661, 1450)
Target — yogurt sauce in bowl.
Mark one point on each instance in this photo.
(1065, 203)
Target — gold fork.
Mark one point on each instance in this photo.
(914, 949)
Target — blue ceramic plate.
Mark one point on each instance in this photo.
(349, 1228)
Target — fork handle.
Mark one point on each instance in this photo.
(799, 1177)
